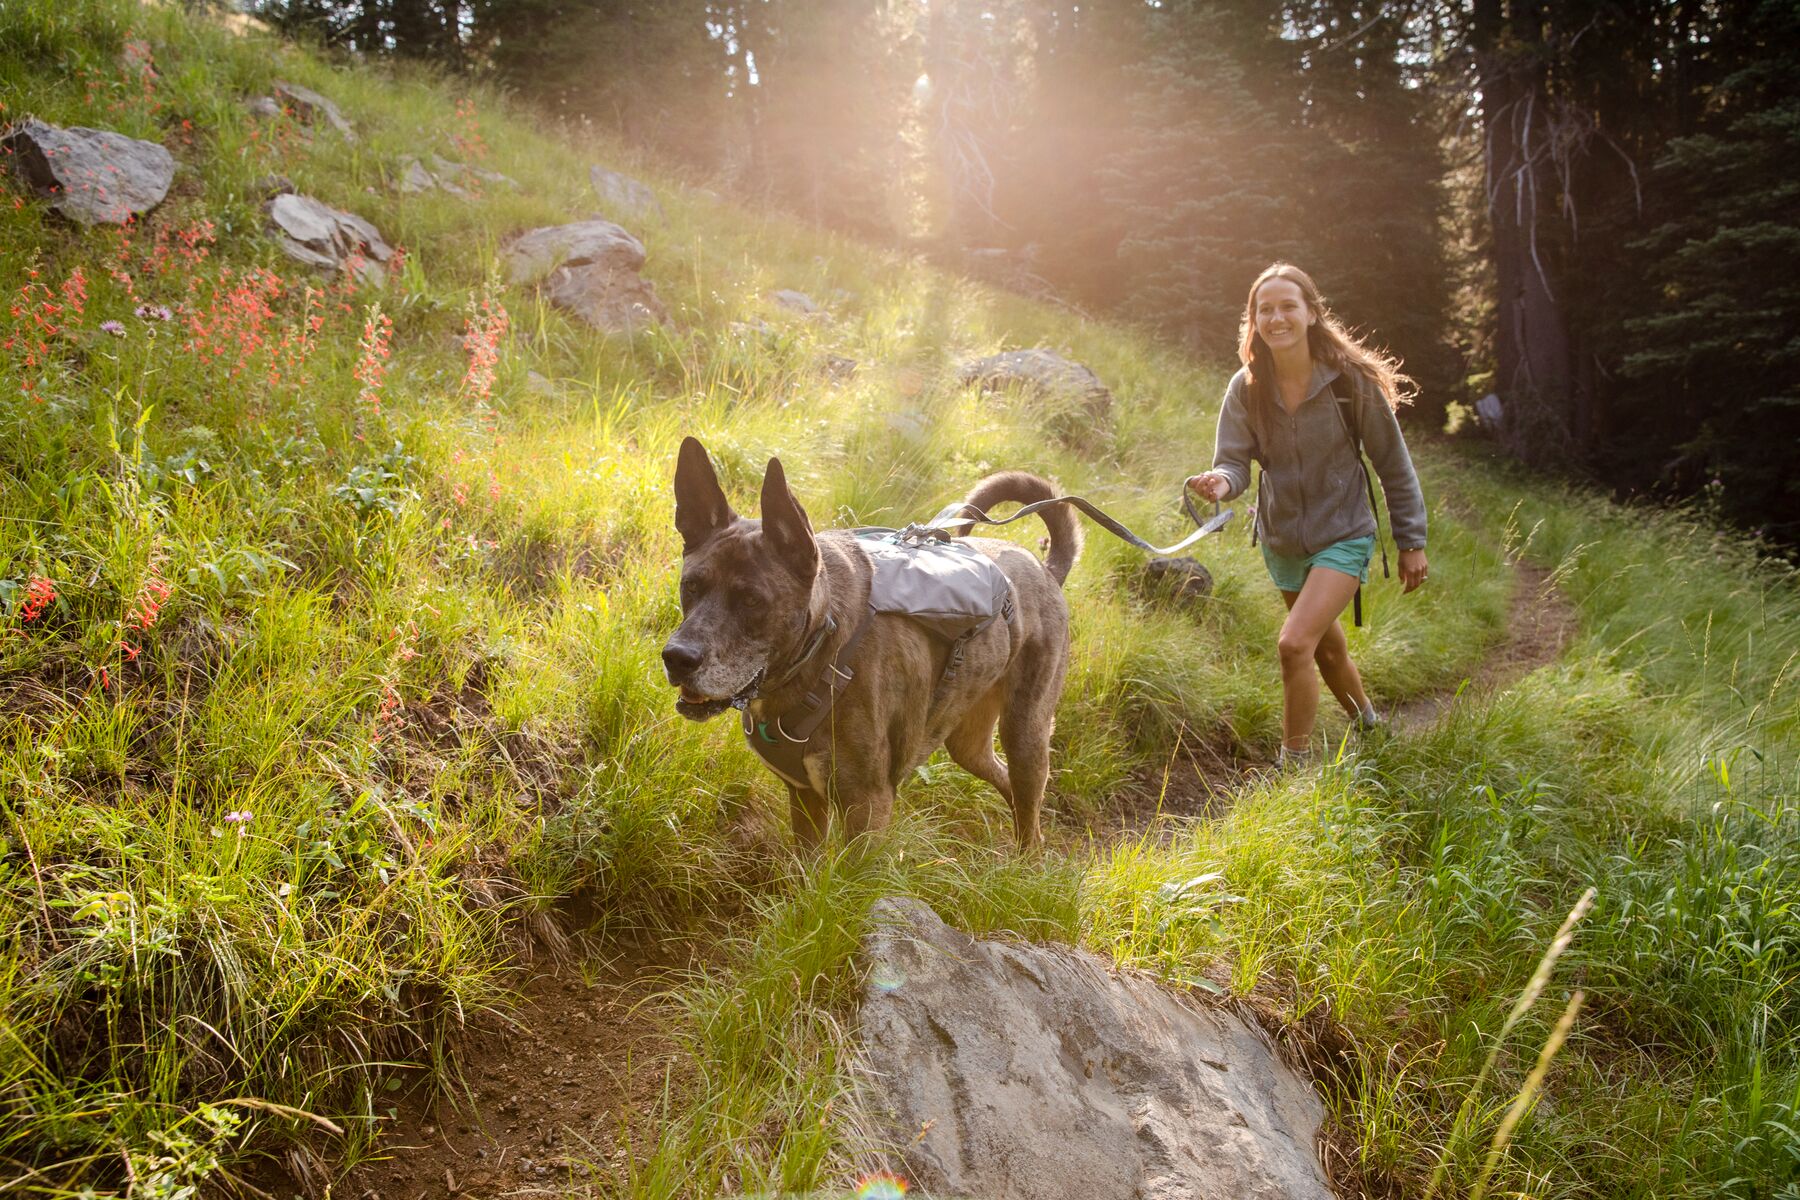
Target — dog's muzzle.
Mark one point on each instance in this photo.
(705, 710)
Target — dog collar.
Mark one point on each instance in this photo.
(780, 739)
(813, 643)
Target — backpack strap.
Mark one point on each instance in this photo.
(1349, 407)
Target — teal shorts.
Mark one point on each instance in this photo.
(1350, 556)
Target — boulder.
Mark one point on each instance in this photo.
(446, 175)
(1181, 579)
(1042, 372)
(329, 238)
(838, 368)
(796, 302)
(415, 178)
(623, 195)
(591, 269)
(270, 185)
(310, 108)
(96, 176)
(1020, 1072)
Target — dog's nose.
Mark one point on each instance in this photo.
(680, 660)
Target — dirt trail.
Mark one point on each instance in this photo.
(1540, 622)
(1198, 778)
(575, 1078)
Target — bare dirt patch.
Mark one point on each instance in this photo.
(1199, 778)
(1540, 623)
(574, 1079)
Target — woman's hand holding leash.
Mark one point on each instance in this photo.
(1210, 484)
(1413, 569)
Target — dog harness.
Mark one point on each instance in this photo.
(952, 590)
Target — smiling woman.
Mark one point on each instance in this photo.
(1308, 401)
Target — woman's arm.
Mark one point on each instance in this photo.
(1236, 443)
(1399, 482)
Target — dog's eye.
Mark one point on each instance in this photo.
(748, 599)
(690, 591)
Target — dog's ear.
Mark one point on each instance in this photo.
(785, 526)
(701, 509)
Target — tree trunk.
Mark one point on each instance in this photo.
(1533, 363)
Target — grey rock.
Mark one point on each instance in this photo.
(534, 254)
(797, 302)
(838, 368)
(445, 175)
(447, 167)
(1020, 1072)
(415, 178)
(263, 106)
(270, 185)
(310, 108)
(623, 195)
(1182, 579)
(1040, 371)
(322, 236)
(96, 176)
(591, 269)
(755, 327)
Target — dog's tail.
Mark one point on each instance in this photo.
(1022, 487)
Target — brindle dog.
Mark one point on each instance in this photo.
(756, 594)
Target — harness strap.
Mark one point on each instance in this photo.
(780, 741)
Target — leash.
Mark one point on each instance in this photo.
(956, 516)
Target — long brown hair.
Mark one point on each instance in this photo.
(1327, 340)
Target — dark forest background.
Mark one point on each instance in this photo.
(1589, 209)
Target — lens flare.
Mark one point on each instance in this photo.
(887, 977)
(880, 1187)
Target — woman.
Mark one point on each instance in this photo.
(1313, 515)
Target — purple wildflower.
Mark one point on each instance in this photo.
(112, 327)
(239, 818)
(154, 312)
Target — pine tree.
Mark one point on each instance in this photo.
(1200, 187)
(1712, 353)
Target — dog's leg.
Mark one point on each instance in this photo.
(971, 746)
(1026, 737)
(867, 807)
(808, 811)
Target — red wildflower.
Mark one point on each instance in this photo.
(40, 594)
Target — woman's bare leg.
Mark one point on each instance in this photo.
(1335, 664)
(1312, 614)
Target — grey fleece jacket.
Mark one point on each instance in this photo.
(1312, 491)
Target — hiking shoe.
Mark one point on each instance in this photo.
(1368, 720)
(1294, 760)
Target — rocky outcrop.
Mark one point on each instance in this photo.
(322, 236)
(591, 269)
(1184, 580)
(796, 302)
(436, 173)
(1040, 371)
(307, 106)
(311, 108)
(94, 176)
(1021, 1072)
(624, 196)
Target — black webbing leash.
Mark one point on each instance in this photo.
(958, 517)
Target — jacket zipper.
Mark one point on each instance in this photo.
(1300, 472)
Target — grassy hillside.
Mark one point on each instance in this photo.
(326, 677)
